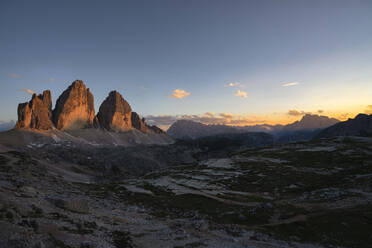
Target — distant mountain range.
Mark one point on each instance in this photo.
(306, 128)
(5, 126)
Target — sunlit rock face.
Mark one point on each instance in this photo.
(74, 108)
(115, 114)
(37, 113)
(139, 123)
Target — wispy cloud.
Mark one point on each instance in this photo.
(235, 84)
(178, 93)
(290, 84)
(294, 112)
(241, 93)
(14, 75)
(226, 115)
(209, 114)
(320, 111)
(31, 92)
(51, 79)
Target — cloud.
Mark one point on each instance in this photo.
(178, 93)
(51, 79)
(294, 112)
(31, 92)
(320, 111)
(226, 115)
(369, 109)
(290, 84)
(241, 93)
(14, 75)
(209, 114)
(233, 84)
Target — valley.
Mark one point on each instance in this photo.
(305, 194)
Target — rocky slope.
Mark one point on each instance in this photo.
(361, 125)
(312, 194)
(74, 110)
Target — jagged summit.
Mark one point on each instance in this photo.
(74, 110)
(115, 113)
(311, 121)
(36, 114)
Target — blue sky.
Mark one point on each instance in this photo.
(148, 49)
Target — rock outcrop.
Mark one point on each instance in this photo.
(139, 123)
(37, 113)
(115, 114)
(74, 108)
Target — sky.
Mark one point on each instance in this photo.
(233, 62)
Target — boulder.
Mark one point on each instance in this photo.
(74, 108)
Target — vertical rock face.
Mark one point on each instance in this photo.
(74, 108)
(115, 114)
(139, 123)
(37, 113)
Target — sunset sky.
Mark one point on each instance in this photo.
(233, 62)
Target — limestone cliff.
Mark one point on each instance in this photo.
(74, 108)
(115, 114)
(36, 114)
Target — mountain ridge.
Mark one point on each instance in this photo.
(188, 129)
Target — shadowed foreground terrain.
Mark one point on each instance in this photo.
(309, 194)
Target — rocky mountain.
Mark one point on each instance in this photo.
(37, 113)
(115, 114)
(74, 110)
(309, 122)
(304, 129)
(361, 125)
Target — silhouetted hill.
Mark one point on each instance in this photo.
(361, 125)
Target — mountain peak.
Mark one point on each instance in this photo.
(74, 108)
(115, 113)
(36, 114)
